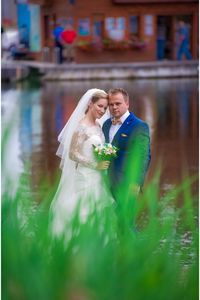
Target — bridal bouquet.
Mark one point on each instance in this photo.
(105, 151)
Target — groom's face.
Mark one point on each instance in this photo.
(118, 105)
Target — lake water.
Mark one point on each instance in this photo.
(38, 111)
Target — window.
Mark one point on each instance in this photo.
(84, 27)
(134, 25)
(98, 28)
(115, 28)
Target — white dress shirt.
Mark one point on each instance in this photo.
(115, 128)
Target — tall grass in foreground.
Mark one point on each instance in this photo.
(142, 249)
(104, 258)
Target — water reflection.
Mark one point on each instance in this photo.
(170, 107)
(11, 148)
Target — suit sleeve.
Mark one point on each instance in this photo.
(138, 155)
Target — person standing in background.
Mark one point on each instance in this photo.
(183, 41)
(58, 44)
(67, 38)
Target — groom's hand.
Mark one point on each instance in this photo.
(103, 165)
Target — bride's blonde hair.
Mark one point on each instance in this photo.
(96, 97)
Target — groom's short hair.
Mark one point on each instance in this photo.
(119, 90)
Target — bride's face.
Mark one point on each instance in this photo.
(98, 108)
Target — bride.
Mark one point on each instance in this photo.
(81, 186)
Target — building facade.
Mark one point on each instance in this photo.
(121, 30)
(8, 13)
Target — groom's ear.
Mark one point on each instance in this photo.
(127, 103)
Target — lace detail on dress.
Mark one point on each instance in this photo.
(81, 147)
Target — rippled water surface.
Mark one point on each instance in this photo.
(38, 112)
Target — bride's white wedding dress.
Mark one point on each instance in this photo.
(87, 190)
(89, 182)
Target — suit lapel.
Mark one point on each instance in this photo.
(126, 123)
(107, 130)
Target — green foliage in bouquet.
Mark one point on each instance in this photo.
(105, 151)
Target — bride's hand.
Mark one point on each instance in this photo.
(103, 165)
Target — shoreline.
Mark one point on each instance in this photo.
(20, 70)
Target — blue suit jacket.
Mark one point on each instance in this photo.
(133, 157)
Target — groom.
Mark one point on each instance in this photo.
(131, 136)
